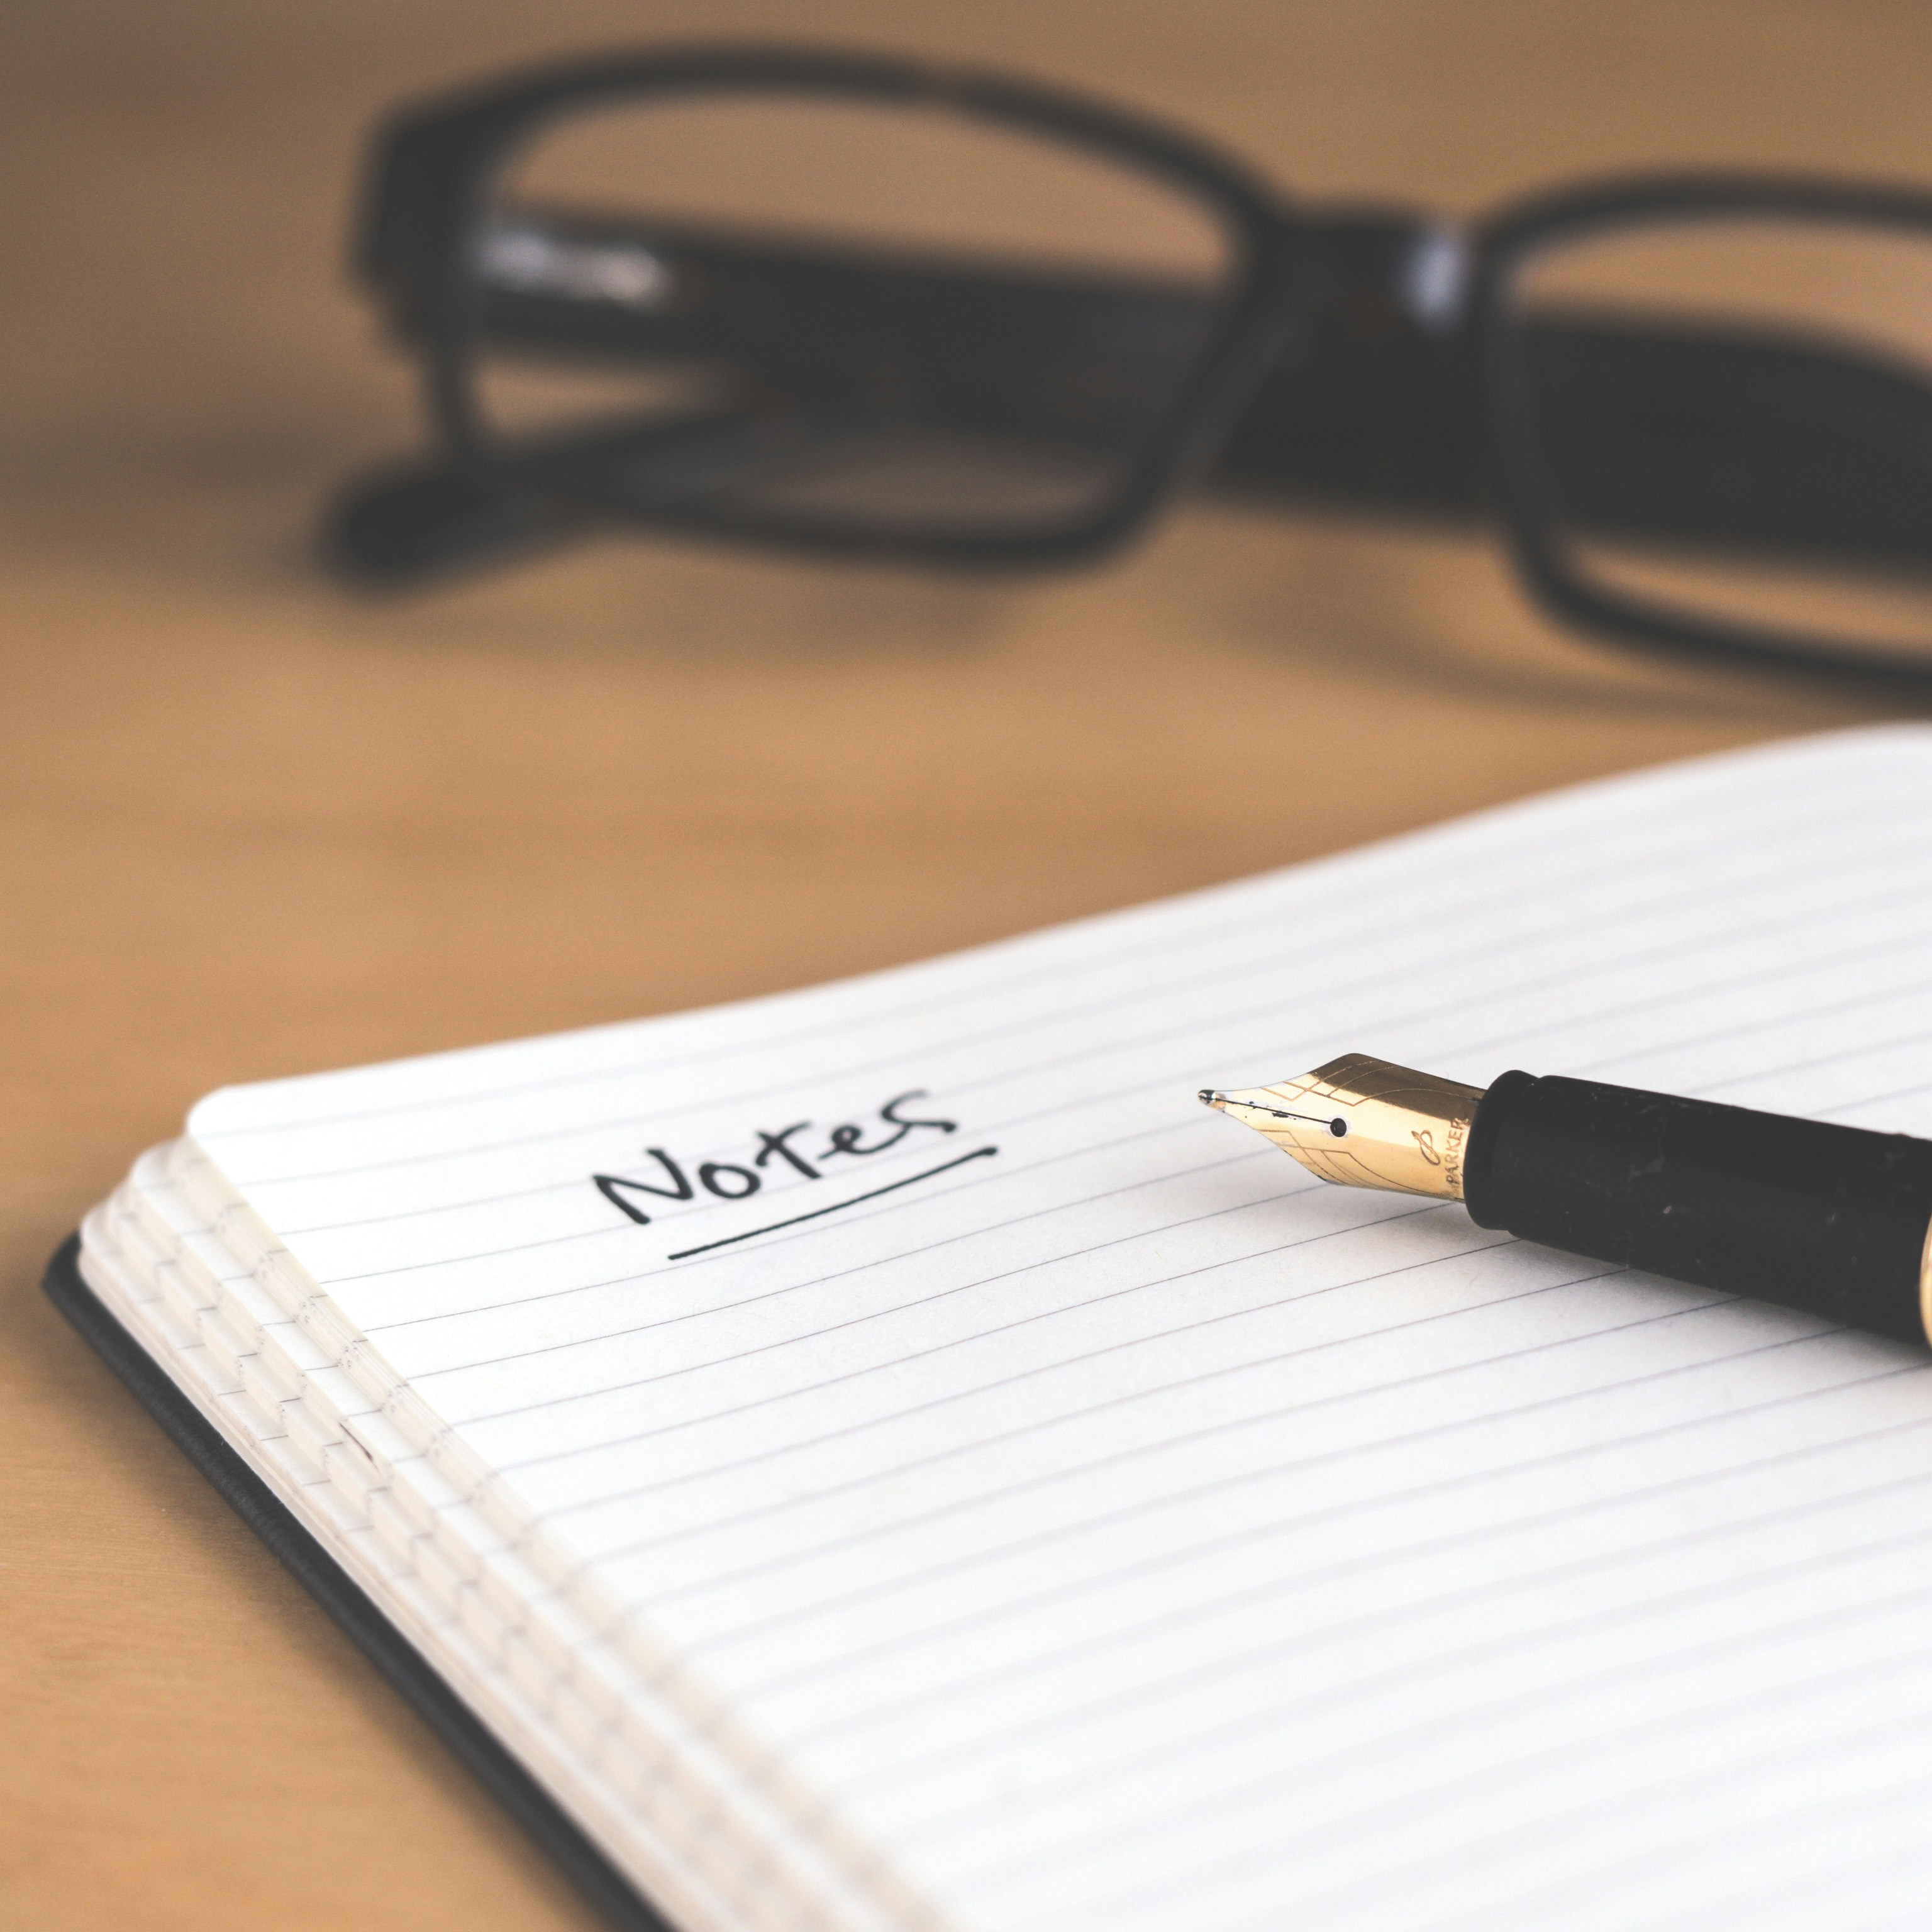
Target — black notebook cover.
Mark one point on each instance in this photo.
(324, 1579)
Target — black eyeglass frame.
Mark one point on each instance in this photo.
(1504, 245)
(434, 163)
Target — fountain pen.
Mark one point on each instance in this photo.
(1834, 1220)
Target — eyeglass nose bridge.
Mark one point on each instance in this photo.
(1375, 403)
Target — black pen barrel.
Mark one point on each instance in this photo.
(1830, 1219)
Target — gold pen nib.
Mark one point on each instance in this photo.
(1244, 1104)
(1364, 1122)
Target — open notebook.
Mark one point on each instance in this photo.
(883, 1456)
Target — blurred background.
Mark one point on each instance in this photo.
(257, 823)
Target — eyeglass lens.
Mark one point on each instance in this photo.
(835, 312)
(1733, 415)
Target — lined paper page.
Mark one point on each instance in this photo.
(1105, 1522)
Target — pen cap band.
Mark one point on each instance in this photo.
(1831, 1220)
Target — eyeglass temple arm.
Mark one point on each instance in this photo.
(419, 519)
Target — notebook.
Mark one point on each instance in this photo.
(883, 1456)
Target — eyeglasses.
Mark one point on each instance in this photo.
(861, 305)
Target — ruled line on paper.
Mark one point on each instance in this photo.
(1913, 1092)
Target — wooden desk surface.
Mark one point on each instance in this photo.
(253, 825)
